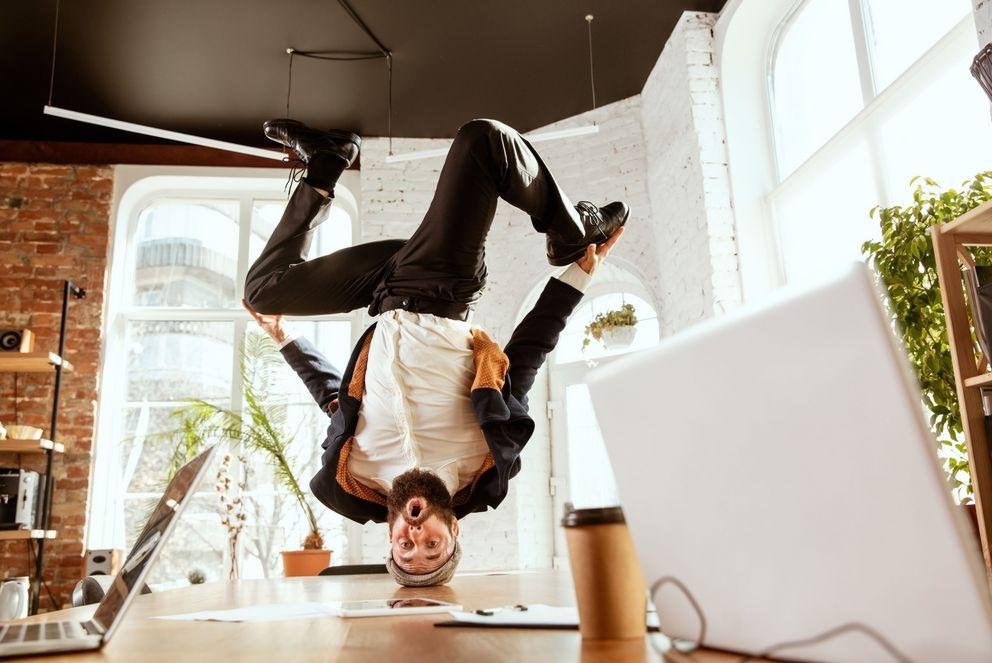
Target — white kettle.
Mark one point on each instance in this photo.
(14, 598)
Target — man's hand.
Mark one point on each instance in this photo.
(271, 324)
(596, 253)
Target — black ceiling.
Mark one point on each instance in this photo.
(218, 68)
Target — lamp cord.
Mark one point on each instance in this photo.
(592, 76)
(829, 634)
(347, 56)
(55, 42)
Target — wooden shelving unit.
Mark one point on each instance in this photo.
(55, 364)
(32, 362)
(23, 534)
(30, 446)
(971, 229)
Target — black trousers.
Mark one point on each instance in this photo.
(441, 269)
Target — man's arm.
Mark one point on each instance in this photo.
(321, 378)
(537, 334)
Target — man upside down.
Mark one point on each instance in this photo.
(428, 419)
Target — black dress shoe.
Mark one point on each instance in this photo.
(307, 142)
(599, 222)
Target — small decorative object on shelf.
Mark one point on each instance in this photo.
(16, 340)
(3, 432)
(614, 329)
(22, 432)
(196, 577)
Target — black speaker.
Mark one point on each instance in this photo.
(16, 340)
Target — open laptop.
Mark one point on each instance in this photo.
(777, 462)
(50, 637)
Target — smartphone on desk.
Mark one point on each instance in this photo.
(393, 607)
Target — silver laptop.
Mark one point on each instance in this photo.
(777, 462)
(50, 637)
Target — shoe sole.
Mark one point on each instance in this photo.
(569, 258)
(339, 134)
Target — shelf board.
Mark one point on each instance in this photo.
(979, 380)
(978, 220)
(31, 362)
(30, 446)
(20, 534)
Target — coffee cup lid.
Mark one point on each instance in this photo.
(608, 515)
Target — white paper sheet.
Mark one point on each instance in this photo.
(537, 614)
(259, 613)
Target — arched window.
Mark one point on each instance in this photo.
(580, 466)
(860, 96)
(175, 330)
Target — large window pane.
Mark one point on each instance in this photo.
(179, 360)
(332, 338)
(816, 87)
(333, 233)
(590, 475)
(903, 30)
(197, 543)
(186, 254)
(822, 223)
(943, 133)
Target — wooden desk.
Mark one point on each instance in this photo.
(410, 639)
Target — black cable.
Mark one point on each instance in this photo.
(338, 56)
(55, 42)
(41, 577)
(358, 19)
(592, 78)
(833, 632)
(289, 81)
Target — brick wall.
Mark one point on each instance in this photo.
(53, 226)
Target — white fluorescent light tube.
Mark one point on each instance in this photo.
(570, 132)
(162, 133)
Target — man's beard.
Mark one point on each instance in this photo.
(423, 484)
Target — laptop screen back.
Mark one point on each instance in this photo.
(149, 543)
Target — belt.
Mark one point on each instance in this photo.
(420, 305)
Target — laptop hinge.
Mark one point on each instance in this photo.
(92, 628)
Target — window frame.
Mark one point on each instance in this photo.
(136, 187)
(747, 35)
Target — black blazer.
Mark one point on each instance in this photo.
(502, 414)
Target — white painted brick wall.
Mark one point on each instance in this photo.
(687, 178)
(663, 153)
(983, 20)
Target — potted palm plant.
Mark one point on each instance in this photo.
(260, 428)
(614, 329)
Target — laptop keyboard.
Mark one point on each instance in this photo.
(40, 632)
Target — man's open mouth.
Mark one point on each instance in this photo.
(415, 508)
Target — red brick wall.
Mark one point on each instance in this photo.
(54, 226)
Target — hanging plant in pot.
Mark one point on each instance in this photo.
(615, 329)
(258, 429)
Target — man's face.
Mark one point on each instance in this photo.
(422, 526)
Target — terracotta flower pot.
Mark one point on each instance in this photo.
(304, 562)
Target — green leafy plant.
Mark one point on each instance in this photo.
(609, 320)
(904, 261)
(258, 428)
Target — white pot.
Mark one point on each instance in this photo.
(617, 338)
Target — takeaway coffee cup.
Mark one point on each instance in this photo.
(609, 584)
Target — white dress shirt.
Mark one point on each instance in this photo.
(417, 411)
